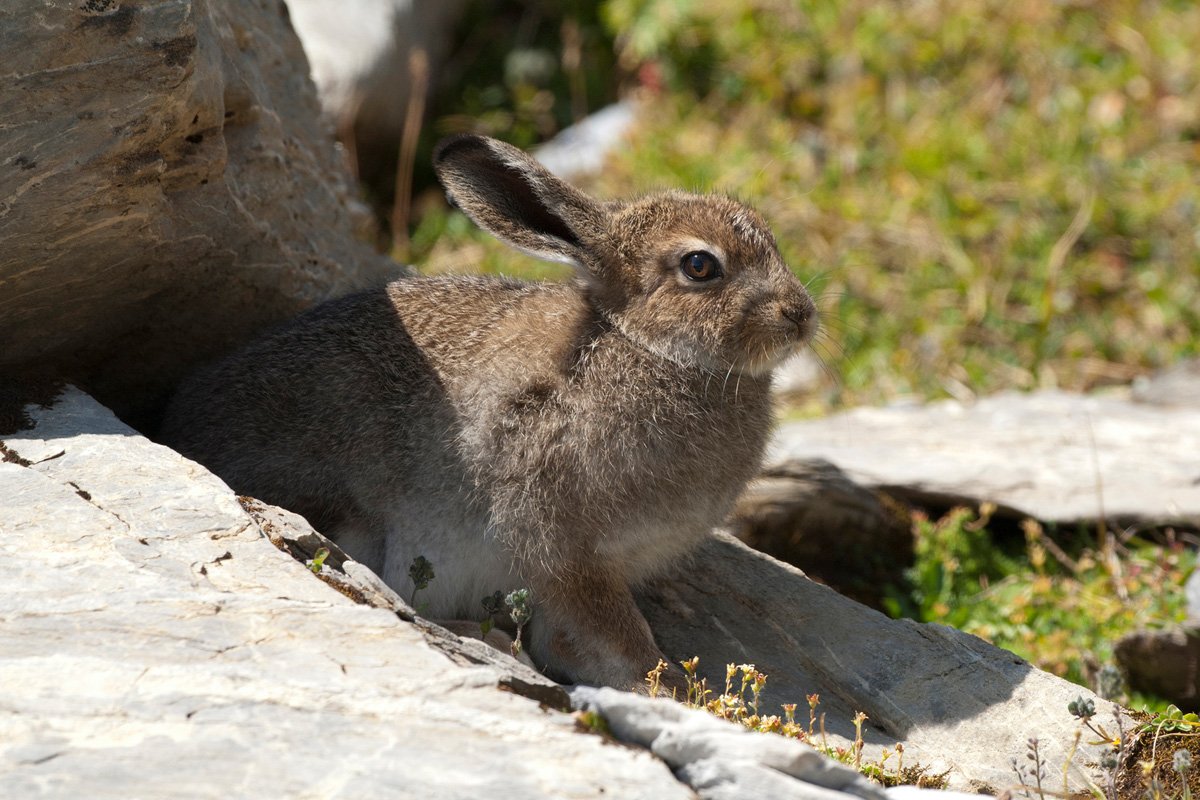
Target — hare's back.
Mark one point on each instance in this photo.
(328, 415)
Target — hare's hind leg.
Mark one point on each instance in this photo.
(586, 628)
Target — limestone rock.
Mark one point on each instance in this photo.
(156, 639)
(956, 702)
(1048, 454)
(156, 644)
(168, 188)
(1178, 385)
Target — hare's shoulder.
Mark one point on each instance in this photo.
(499, 323)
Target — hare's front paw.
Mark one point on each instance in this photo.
(590, 631)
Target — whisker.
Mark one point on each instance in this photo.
(821, 359)
(825, 273)
(841, 324)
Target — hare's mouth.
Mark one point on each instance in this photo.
(763, 362)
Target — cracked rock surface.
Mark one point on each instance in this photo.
(156, 644)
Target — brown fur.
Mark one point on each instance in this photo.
(573, 438)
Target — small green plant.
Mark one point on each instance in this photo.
(520, 609)
(1134, 765)
(593, 722)
(654, 677)
(1172, 721)
(421, 573)
(493, 605)
(319, 560)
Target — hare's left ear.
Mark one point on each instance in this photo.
(517, 200)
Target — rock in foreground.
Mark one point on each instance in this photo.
(158, 644)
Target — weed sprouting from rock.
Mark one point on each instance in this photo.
(520, 609)
(421, 573)
(493, 605)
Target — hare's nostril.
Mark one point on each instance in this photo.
(801, 318)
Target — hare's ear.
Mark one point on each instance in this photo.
(516, 199)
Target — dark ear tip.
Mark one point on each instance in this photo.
(456, 143)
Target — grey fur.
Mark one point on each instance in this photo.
(574, 438)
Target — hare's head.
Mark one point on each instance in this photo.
(694, 278)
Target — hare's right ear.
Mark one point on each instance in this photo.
(516, 199)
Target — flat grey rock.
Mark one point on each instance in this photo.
(156, 644)
(957, 703)
(1048, 454)
(1177, 385)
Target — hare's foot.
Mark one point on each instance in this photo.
(587, 629)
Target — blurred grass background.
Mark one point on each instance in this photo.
(985, 194)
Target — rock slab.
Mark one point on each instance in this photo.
(1048, 454)
(958, 704)
(156, 644)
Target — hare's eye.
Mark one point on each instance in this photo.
(700, 266)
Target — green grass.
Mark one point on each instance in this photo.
(924, 163)
(1061, 611)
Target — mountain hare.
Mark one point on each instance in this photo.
(573, 438)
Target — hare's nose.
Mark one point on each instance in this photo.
(804, 318)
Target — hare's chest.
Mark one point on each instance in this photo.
(679, 478)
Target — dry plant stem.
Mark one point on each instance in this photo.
(1070, 755)
(418, 70)
(859, 718)
(653, 677)
(1103, 534)
(1034, 528)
